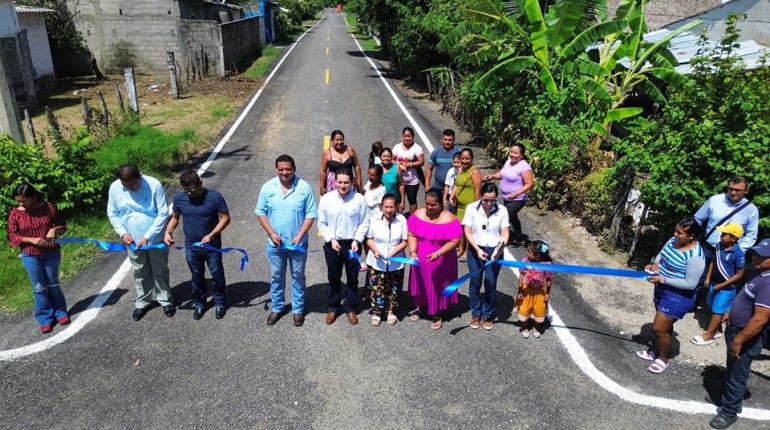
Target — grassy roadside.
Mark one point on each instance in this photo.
(170, 133)
(368, 43)
(262, 64)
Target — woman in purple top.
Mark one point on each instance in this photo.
(516, 179)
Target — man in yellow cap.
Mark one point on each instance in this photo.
(724, 271)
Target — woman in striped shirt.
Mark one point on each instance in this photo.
(33, 227)
(675, 273)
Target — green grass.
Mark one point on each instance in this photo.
(15, 291)
(152, 149)
(262, 64)
(142, 145)
(367, 42)
(221, 110)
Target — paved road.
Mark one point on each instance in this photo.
(238, 372)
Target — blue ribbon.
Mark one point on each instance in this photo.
(410, 261)
(292, 247)
(244, 258)
(562, 268)
(119, 247)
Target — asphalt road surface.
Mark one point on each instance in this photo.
(239, 373)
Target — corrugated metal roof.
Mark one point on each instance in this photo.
(32, 9)
(686, 45)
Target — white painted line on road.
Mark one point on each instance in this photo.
(109, 288)
(576, 352)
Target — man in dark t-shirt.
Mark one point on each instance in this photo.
(205, 215)
(745, 335)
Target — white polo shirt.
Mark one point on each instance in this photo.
(486, 229)
(386, 236)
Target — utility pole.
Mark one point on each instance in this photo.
(10, 120)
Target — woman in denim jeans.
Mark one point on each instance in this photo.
(33, 227)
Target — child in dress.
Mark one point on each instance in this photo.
(534, 291)
(449, 182)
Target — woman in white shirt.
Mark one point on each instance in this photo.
(386, 238)
(485, 224)
(374, 190)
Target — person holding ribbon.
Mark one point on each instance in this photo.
(205, 215)
(410, 158)
(32, 226)
(386, 239)
(137, 209)
(286, 209)
(486, 230)
(339, 156)
(343, 219)
(433, 237)
(516, 180)
(676, 273)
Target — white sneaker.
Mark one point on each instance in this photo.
(535, 333)
(524, 334)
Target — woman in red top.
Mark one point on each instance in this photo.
(33, 226)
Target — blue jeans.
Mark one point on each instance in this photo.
(738, 370)
(482, 306)
(43, 274)
(197, 259)
(278, 259)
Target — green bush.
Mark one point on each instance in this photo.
(594, 199)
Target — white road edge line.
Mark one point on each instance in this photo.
(106, 292)
(576, 352)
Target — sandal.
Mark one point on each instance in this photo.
(392, 319)
(436, 324)
(658, 366)
(700, 341)
(646, 355)
(376, 320)
(415, 316)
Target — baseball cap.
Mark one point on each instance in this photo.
(733, 228)
(762, 248)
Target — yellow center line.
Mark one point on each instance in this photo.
(327, 50)
(327, 76)
(327, 145)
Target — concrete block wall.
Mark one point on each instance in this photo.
(198, 36)
(240, 43)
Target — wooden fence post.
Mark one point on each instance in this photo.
(119, 96)
(133, 99)
(105, 112)
(172, 74)
(53, 125)
(30, 127)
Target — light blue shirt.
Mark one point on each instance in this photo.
(286, 212)
(718, 207)
(142, 213)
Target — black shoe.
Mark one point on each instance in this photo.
(722, 421)
(169, 310)
(198, 313)
(272, 318)
(219, 312)
(138, 314)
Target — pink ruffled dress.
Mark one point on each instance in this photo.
(427, 281)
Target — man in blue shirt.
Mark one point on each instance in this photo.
(713, 213)
(440, 160)
(205, 216)
(137, 210)
(745, 335)
(286, 209)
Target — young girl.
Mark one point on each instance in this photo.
(374, 190)
(534, 290)
(449, 182)
(374, 155)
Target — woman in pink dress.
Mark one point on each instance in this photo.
(433, 237)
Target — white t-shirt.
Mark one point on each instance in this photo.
(374, 198)
(449, 181)
(386, 237)
(486, 230)
(401, 154)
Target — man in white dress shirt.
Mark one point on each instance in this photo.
(343, 221)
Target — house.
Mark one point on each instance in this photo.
(659, 13)
(32, 19)
(16, 56)
(209, 36)
(755, 27)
